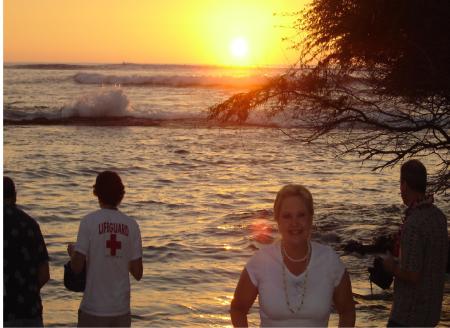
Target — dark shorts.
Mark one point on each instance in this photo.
(392, 323)
(36, 322)
(89, 320)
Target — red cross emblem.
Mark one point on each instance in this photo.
(113, 244)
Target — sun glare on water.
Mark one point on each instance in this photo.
(239, 48)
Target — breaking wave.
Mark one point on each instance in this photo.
(105, 107)
(100, 104)
(111, 106)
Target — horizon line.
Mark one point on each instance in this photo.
(140, 63)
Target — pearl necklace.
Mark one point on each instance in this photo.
(303, 259)
(286, 294)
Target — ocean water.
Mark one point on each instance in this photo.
(202, 194)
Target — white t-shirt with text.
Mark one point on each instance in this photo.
(110, 240)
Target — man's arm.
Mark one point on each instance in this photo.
(408, 276)
(77, 260)
(43, 274)
(43, 270)
(412, 246)
(136, 268)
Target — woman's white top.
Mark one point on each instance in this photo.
(325, 270)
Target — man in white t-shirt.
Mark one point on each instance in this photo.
(109, 244)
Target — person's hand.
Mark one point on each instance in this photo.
(389, 263)
(70, 248)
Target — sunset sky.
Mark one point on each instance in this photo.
(217, 32)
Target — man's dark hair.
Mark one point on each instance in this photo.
(109, 188)
(9, 189)
(414, 173)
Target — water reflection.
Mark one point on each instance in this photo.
(202, 211)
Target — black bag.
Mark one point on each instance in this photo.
(75, 282)
(378, 275)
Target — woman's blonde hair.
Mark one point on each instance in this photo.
(293, 190)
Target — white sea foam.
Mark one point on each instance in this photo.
(106, 102)
(171, 81)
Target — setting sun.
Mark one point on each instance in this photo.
(239, 47)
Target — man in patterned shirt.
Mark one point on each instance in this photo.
(25, 264)
(420, 273)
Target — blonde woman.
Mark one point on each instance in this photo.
(298, 281)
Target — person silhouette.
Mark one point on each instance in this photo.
(25, 263)
(109, 244)
(419, 274)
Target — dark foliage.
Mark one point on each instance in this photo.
(378, 71)
(403, 43)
